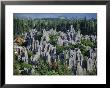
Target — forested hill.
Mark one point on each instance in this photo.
(86, 26)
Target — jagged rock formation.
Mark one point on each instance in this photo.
(73, 57)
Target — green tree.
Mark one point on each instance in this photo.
(53, 39)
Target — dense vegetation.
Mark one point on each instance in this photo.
(87, 26)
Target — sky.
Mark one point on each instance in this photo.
(55, 15)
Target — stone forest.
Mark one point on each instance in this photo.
(55, 46)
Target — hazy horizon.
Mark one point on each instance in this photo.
(55, 15)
